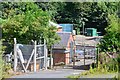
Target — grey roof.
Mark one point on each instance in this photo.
(60, 51)
(90, 41)
(64, 40)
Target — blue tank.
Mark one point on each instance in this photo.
(67, 27)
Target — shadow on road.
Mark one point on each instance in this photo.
(80, 67)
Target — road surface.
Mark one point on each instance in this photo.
(58, 73)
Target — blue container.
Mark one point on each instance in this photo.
(67, 27)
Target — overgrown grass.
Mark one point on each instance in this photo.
(7, 71)
(1, 61)
(100, 69)
(94, 73)
(4, 68)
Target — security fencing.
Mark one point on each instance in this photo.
(30, 57)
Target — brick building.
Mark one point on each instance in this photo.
(62, 50)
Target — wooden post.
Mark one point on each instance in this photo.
(97, 56)
(15, 55)
(35, 57)
(94, 53)
(84, 54)
(73, 58)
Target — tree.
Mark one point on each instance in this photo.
(88, 14)
(52, 7)
(111, 41)
(51, 36)
(31, 23)
(92, 14)
(109, 7)
(27, 25)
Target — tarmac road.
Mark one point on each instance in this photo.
(58, 73)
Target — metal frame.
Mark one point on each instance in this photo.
(33, 54)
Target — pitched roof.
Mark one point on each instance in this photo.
(80, 40)
(54, 24)
(64, 40)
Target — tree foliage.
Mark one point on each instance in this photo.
(88, 14)
(109, 7)
(52, 7)
(27, 23)
(111, 41)
(51, 36)
(1, 61)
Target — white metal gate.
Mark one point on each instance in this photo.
(24, 55)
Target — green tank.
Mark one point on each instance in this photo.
(91, 32)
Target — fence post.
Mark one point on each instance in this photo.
(15, 55)
(35, 56)
(84, 53)
(45, 55)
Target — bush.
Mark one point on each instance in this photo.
(108, 64)
(1, 67)
(4, 68)
(1, 61)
